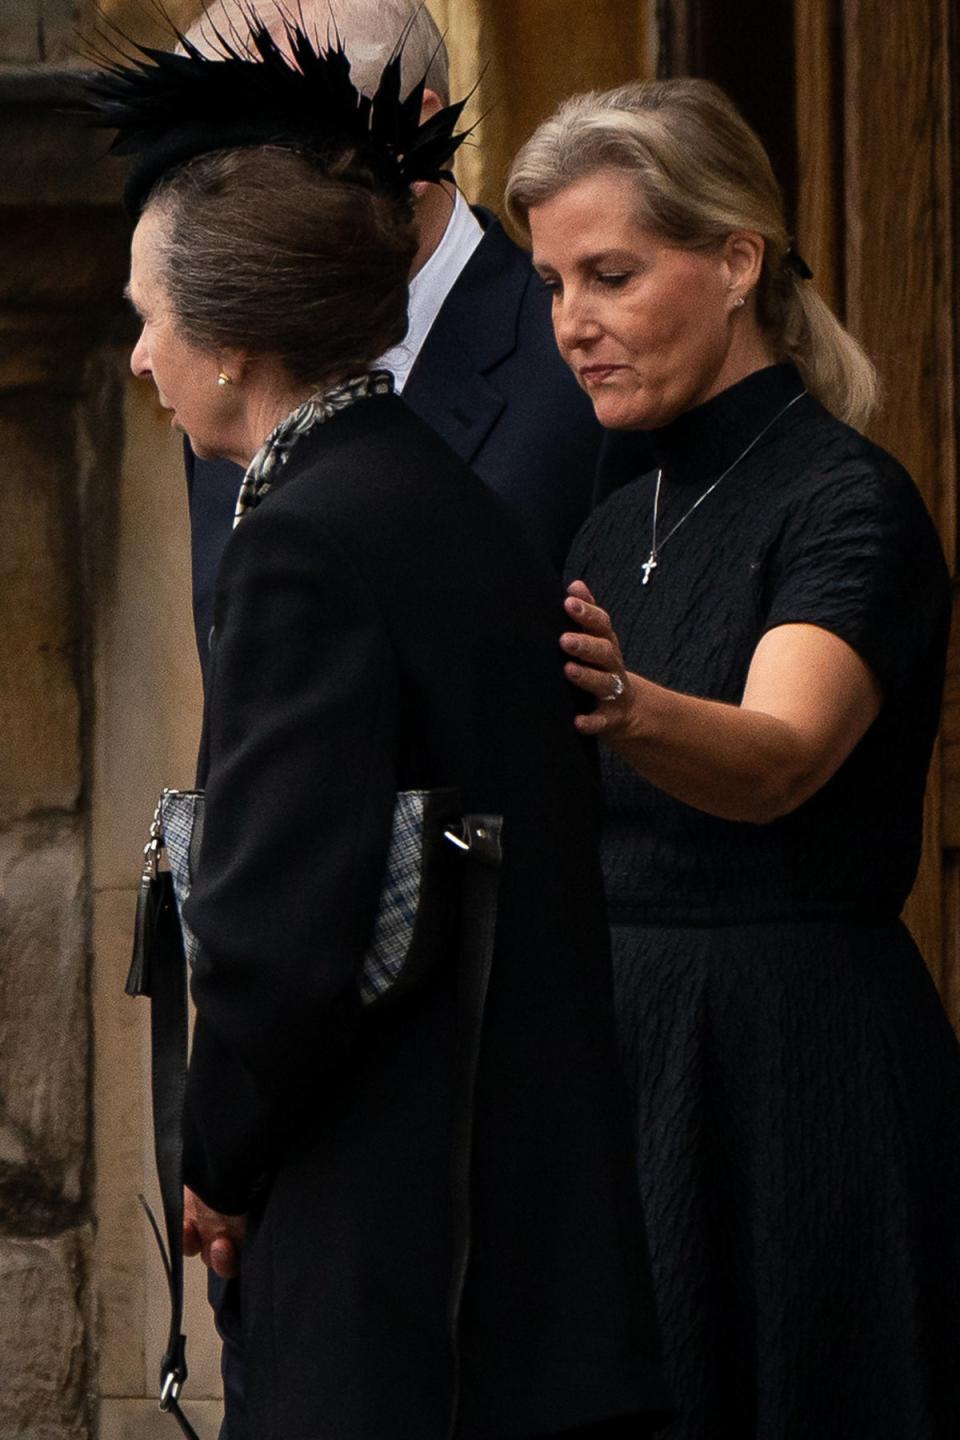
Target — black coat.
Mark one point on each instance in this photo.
(381, 624)
(490, 381)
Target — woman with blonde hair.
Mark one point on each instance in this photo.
(762, 620)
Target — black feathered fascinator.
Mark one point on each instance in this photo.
(169, 107)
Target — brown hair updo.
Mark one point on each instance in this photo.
(269, 250)
(700, 173)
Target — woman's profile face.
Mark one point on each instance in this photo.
(648, 329)
(184, 374)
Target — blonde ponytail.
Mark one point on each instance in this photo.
(834, 366)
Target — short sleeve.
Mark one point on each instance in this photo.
(857, 554)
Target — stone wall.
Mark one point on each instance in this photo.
(38, 31)
(57, 377)
(85, 693)
(145, 736)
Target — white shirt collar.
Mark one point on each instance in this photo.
(430, 287)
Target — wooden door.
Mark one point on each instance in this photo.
(858, 102)
(877, 105)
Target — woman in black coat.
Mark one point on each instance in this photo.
(434, 1196)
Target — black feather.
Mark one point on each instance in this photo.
(167, 107)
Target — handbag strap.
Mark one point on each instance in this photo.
(164, 981)
(480, 840)
(168, 1046)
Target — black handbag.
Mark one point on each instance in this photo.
(440, 891)
(416, 917)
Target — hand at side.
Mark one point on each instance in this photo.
(217, 1239)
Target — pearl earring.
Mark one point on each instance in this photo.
(223, 379)
(739, 302)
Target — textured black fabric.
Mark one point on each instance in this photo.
(816, 525)
(632, 1429)
(797, 1084)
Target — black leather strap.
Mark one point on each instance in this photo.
(480, 840)
(163, 977)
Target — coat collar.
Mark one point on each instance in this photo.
(450, 386)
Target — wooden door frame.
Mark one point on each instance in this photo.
(877, 183)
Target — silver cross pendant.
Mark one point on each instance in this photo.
(649, 565)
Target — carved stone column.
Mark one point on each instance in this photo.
(61, 254)
(99, 707)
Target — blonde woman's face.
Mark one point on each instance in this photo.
(649, 330)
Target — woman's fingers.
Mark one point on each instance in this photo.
(596, 663)
(595, 643)
(591, 650)
(579, 590)
(606, 685)
(224, 1259)
(592, 724)
(589, 616)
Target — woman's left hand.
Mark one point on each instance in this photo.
(808, 700)
(597, 664)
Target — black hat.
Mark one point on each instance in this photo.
(168, 107)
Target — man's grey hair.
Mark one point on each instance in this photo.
(370, 31)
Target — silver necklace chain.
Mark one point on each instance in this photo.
(651, 562)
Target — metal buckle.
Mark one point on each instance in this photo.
(170, 1393)
(479, 835)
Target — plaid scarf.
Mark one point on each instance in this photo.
(275, 450)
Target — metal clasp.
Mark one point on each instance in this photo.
(170, 1393)
(151, 851)
(479, 835)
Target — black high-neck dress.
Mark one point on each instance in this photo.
(797, 1082)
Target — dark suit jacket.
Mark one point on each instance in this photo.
(490, 381)
(382, 624)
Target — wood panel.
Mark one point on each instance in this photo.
(950, 980)
(536, 52)
(900, 168)
(146, 23)
(722, 43)
(461, 24)
(819, 123)
(877, 106)
(950, 165)
(900, 285)
(950, 740)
